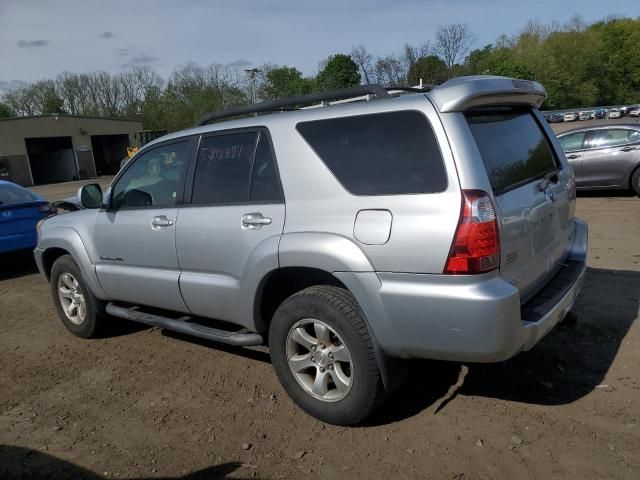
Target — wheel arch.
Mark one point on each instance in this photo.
(60, 241)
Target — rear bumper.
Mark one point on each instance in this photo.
(465, 318)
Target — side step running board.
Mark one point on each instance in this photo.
(240, 339)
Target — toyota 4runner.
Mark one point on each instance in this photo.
(346, 237)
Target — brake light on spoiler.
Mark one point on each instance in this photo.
(476, 245)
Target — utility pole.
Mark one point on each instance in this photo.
(252, 74)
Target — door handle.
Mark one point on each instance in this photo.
(571, 157)
(628, 149)
(253, 221)
(161, 222)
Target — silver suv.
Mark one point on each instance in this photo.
(347, 238)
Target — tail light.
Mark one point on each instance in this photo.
(476, 246)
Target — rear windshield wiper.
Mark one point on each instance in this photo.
(549, 177)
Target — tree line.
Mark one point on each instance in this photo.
(579, 64)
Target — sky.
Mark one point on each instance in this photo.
(42, 38)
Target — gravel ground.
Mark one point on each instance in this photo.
(564, 126)
(145, 403)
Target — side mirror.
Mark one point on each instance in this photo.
(90, 196)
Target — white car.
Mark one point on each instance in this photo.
(570, 117)
(614, 113)
(635, 112)
(586, 115)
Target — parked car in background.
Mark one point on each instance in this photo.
(606, 157)
(570, 117)
(635, 112)
(600, 114)
(614, 113)
(405, 236)
(20, 212)
(555, 118)
(585, 115)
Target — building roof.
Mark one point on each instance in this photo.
(64, 115)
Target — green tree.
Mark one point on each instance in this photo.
(431, 69)
(618, 72)
(339, 72)
(282, 82)
(6, 111)
(481, 60)
(513, 69)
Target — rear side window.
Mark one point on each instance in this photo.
(513, 147)
(381, 154)
(265, 186)
(223, 170)
(607, 137)
(236, 168)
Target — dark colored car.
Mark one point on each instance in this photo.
(606, 157)
(20, 211)
(600, 114)
(555, 118)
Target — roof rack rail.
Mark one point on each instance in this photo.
(427, 87)
(282, 103)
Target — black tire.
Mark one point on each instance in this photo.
(336, 308)
(90, 325)
(635, 181)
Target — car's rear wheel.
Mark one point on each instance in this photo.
(323, 355)
(74, 303)
(635, 181)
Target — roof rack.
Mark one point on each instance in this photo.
(421, 89)
(280, 104)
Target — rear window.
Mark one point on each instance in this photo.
(513, 147)
(381, 154)
(11, 194)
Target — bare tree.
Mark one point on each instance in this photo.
(453, 42)
(71, 90)
(575, 24)
(22, 101)
(390, 70)
(364, 60)
(135, 84)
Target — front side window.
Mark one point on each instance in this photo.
(155, 179)
(390, 153)
(513, 147)
(607, 137)
(572, 142)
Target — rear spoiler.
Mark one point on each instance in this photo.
(464, 93)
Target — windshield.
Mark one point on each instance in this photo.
(513, 147)
(11, 194)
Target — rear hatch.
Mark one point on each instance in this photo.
(534, 195)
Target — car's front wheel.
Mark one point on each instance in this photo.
(74, 303)
(323, 355)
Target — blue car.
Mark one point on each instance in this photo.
(20, 211)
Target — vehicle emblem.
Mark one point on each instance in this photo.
(551, 197)
(6, 213)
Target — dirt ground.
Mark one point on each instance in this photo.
(145, 403)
